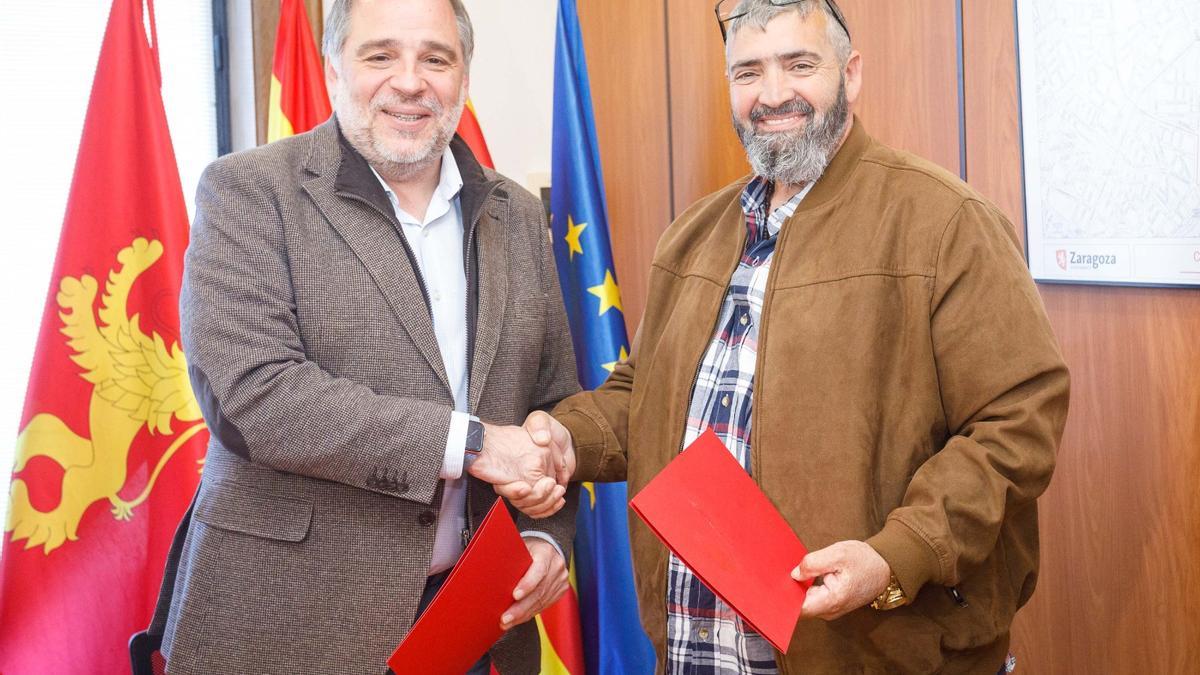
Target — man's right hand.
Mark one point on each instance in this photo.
(549, 432)
(532, 476)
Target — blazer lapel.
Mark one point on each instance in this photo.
(493, 294)
(354, 210)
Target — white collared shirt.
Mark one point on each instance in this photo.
(437, 244)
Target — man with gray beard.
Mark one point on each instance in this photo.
(797, 156)
(367, 314)
(859, 328)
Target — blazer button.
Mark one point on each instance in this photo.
(426, 518)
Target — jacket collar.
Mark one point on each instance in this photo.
(721, 253)
(836, 176)
(331, 153)
(841, 168)
(343, 179)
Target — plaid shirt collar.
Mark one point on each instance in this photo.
(756, 199)
(761, 227)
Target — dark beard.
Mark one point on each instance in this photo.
(799, 156)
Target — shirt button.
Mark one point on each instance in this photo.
(744, 320)
(425, 233)
(703, 633)
(426, 518)
(725, 400)
(437, 296)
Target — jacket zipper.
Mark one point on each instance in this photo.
(412, 261)
(468, 254)
(957, 597)
(696, 376)
(708, 340)
(768, 295)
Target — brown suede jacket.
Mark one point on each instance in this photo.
(909, 392)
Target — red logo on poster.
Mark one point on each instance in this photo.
(1061, 256)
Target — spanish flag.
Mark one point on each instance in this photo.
(298, 99)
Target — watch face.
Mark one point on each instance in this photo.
(474, 437)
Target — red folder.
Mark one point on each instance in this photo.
(710, 513)
(463, 621)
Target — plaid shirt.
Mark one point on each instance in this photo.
(705, 636)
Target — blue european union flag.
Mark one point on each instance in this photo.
(612, 634)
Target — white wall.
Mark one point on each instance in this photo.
(240, 23)
(512, 84)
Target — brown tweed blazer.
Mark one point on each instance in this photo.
(312, 352)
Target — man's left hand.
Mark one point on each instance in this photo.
(542, 585)
(850, 575)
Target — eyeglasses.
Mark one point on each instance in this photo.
(726, 11)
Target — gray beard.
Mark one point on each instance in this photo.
(798, 156)
(391, 163)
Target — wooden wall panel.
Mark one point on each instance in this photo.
(706, 153)
(626, 52)
(993, 142)
(1120, 524)
(910, 74)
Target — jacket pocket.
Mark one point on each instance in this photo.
(238, 508)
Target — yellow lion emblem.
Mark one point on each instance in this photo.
(136, 381)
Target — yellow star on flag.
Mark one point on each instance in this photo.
(609, 294)
(613, 365)
(572, 238)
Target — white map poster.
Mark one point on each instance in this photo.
(1110, 99)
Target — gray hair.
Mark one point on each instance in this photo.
(757, 13)
(337, 26)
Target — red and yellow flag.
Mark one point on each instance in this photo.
(561, 636)
(111, 439)
(468, 129)
(298, 100)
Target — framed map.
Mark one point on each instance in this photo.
(1110, 119)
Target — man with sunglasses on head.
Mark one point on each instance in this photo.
(858, 326)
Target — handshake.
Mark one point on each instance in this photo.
(529, 465)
